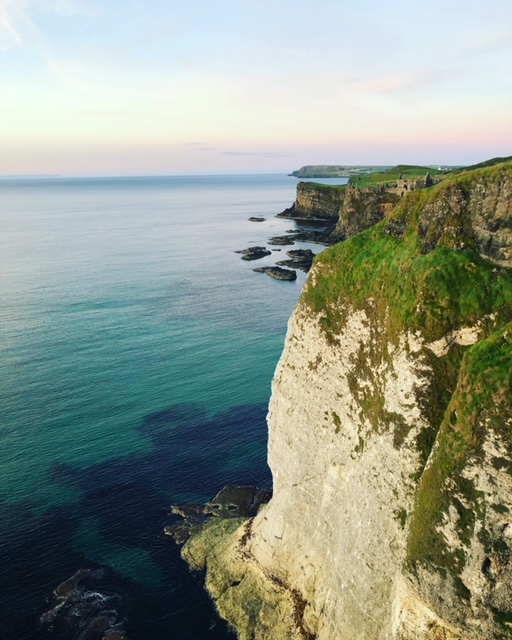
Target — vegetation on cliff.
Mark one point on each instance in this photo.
(482, 165)
(438, 265)
(389, 177)
(429, 278)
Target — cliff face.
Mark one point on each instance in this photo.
(473, 210)
(350, 209)
(316, 202)
(390, 438)
(362, 210)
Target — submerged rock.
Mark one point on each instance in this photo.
(278, 273)
(254, 253)
(86, 607)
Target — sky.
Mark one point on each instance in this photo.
(155, 87)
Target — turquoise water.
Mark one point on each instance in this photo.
(136, 355)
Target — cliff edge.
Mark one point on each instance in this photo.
(390, 438)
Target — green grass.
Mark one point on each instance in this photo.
(481, 165)
(432, 293)
(468, 176)
(482, 397)
(409, 172)
(314, 186)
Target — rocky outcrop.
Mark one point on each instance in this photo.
(316, 202)
(230, 502)
(363, 209)
(390, 438)
(254, 253)
(298, 259)
(278, 273)
(346, 210)
(474, 210)
(281, 240)
(86, 607)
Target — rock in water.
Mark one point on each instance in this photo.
(278, 273)
(299, 259)
(85, 607)
(281, 240)
(254, 253)
(256, 219)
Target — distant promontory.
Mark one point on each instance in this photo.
(336, 170)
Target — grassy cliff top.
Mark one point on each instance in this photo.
(482, 165)
(314, 186)
(432, 290)
(408, 172)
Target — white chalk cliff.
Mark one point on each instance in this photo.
(390, 438)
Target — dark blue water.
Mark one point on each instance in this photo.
(136, 355)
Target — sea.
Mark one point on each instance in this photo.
(136, 356)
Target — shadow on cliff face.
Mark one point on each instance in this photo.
(119, 522)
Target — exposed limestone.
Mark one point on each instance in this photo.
(230, 502)
(361, 476)
(464, 336)
(243, 590)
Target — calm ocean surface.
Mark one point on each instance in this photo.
(136, 355)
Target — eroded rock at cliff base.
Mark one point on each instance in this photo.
(257, 602)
